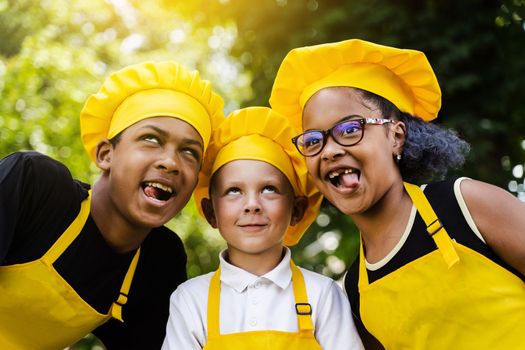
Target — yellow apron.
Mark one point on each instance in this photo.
(451, 298)
(263, 340)
(40, 310)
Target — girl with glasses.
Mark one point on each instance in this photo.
(441, 262)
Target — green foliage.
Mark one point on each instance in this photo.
(54, 53)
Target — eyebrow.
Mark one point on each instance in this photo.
(166, 134)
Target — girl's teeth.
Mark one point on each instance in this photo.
(336, 173)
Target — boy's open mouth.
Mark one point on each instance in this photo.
(157, 191)
(347, 177)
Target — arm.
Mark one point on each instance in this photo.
(184, 330)
(33, 189)
(10, 176)
(334, 326)
(500, 218)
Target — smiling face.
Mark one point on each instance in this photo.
(353, 178)
(150, 173)
(253, 205)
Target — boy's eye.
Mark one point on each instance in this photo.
(151, 138)
(233, 190)
(194, 153)
(269, 189)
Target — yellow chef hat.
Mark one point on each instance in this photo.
(258, 133)
(402, 76)
(145, 90)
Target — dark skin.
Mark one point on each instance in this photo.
(378, 203)
(155, 155)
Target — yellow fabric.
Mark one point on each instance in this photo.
(260, 340)
(434, 227)
(257, 147)
(258, 133)
(116, 308)
(160, 102)
(427, 304)
(38, 309)
(402, 76)
(145, 90)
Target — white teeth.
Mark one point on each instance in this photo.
(160, 186)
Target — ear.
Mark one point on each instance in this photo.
(209, 212)
(104, 154)
(299, 208)
(399, 132)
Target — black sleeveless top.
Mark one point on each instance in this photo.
(418, 243)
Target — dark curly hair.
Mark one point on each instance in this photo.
(430, 150)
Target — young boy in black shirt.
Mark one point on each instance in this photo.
(71, 257)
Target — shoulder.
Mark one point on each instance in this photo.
(316, 278)
(32, 161)
(39, 173)
(320, 286)
(194, 291)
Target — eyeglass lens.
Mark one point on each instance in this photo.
(345, 133)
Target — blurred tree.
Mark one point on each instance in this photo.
(476, 49)
(54, 53)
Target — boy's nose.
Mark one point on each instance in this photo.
(169, 162)
(252, 204)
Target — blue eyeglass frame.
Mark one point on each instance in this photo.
(329, 132)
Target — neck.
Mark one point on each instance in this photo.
(383, 225)
(257, 264)
(120, 234)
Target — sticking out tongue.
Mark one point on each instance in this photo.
(349, 180)
(156, 193)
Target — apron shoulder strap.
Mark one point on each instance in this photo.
(116, 308)
(434, 227)
(69, 234)
(302, 307)
(214, 294)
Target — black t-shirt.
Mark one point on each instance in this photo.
(38, 200)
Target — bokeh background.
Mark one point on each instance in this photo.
(54, 53)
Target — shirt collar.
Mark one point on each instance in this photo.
(239, 279)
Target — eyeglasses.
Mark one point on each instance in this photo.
(346, 133)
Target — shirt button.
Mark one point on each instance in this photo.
(255, 301)
(253, 322)
(257, 285)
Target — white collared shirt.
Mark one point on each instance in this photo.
(250, 303)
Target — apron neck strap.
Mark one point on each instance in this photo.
(116, 308)
(434, 227)
(214, 294)
(69, 234)
(302, 307)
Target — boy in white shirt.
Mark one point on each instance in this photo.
(261, 200)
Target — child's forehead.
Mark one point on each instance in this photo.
(247, 170)
(167, 126)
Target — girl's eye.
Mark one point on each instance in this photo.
(269, 189)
